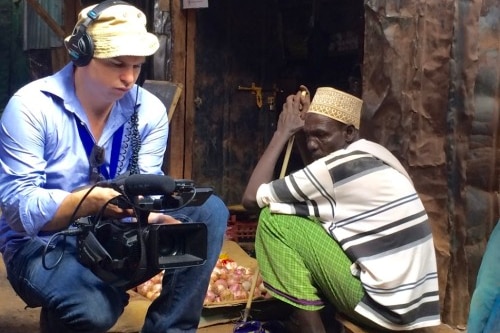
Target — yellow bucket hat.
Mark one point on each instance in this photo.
(119, 30)
(337, 105)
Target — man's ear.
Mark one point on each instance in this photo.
(350, 133)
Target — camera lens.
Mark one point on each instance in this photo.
(168, 243)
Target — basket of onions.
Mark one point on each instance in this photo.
(151, 289)
(230, 281)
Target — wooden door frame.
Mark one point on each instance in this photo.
(179, 157)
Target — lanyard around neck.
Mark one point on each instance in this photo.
(88, 144)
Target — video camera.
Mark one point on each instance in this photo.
(125, 253)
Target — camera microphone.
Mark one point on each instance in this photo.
(147, 184)
(142, 184)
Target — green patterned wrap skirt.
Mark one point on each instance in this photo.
(303, 266)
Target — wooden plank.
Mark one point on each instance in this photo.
(70, 15)
(59, 55)
(59, 58)
(168, 92)
(164, 5)
(174, 159)
(351, 327)
(190, 93)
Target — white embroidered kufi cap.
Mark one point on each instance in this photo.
(337, 105)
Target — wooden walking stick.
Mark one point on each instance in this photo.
(250, 294)
(244, 325)
(287, 156)
(289, 149)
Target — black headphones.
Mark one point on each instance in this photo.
(80, 45)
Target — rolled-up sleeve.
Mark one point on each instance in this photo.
(26, 205)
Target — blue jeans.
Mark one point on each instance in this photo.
(78, 301)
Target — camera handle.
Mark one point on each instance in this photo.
(142, 217)
(142, 221)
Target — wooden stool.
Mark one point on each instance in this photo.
(350, 327)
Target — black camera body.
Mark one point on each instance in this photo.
(126, 254)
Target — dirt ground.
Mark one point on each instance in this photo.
(15, 318)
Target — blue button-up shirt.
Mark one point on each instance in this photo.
(42, 157)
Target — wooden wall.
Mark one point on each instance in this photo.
(431, 88)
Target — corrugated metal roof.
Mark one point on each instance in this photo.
(36, 32)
